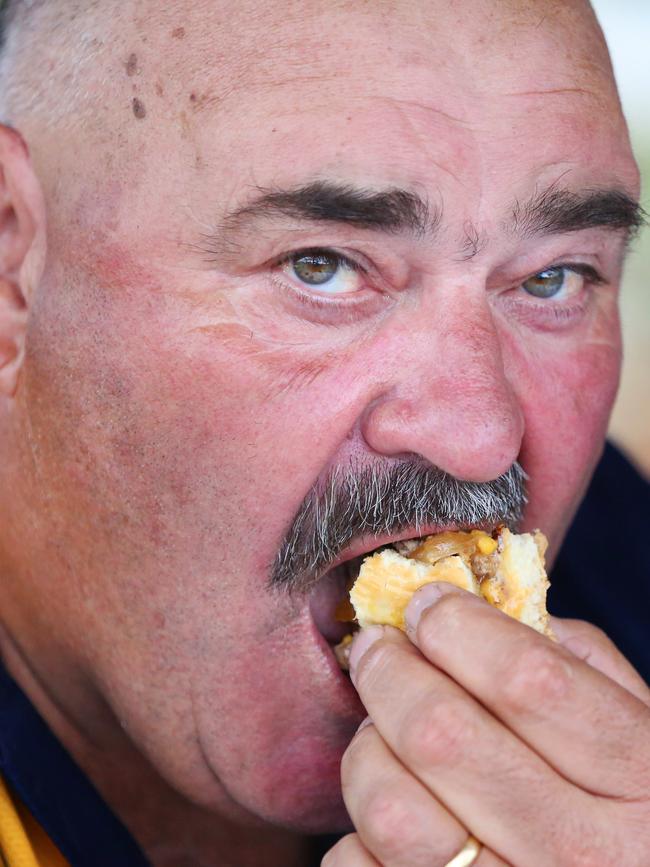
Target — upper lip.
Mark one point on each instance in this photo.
(365, 544)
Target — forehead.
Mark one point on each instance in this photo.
(494, 47)
(446, 95)
(457, 65)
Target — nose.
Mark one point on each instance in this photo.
(447, 397)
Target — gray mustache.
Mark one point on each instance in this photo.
(382, 499)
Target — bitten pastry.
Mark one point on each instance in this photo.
(506, 569)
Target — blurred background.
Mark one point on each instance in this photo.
(627, 28)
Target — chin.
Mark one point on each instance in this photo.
(309, 802)
(282, 766)
(298, 785)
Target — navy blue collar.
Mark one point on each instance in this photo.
(55, 791)
(603, 571)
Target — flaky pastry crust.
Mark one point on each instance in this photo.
(506, 569)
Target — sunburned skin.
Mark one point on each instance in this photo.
(182, 391)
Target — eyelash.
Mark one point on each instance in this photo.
(311, 298)
(586, 271)
(307, 251)
(321, 302)
(591, 276)
(554, 315)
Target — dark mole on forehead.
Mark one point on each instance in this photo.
(178, 33)
(138, 108)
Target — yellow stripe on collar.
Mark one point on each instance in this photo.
(23, 842)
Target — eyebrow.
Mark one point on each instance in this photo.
(392, 210)
(558, 211)
(395, 210)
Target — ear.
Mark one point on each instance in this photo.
(22, 251)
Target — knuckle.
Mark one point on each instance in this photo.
(389, 823)
(585, 856)
(540, 679)
(437, 732)
(634, 832)
(585, 843)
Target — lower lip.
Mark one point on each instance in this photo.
(343, 685)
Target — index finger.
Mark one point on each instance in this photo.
(585, 725)
(475, 766)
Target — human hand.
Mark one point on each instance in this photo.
(482, 726)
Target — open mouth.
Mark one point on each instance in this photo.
(329, 602)
(330, 605)
(473, 559)
(505, 569)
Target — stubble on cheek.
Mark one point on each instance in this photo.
(167, 407)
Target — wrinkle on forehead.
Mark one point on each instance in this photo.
(403, 104)
(232, 46)
(551, 91)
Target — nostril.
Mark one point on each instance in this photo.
(472, 437)
(449, 397)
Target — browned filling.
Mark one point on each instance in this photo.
(477, 547)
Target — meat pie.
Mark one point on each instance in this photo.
(505, 568)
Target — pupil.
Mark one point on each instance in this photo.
(546, 284)
(315, 268)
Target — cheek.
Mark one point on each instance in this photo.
(175, 461)
(175, 434)
(567, 398)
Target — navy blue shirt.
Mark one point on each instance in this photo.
(56, 792)
(603, 571)
(602, 575)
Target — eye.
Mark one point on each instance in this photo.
(324, 270)
(561, 281)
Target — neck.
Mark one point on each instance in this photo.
(171, 831)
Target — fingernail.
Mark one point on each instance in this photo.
(422, 599)
(362, 641)
(364, 724)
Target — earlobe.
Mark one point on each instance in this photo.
(13, 324)
(22, 251)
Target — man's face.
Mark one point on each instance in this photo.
(188, 382)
